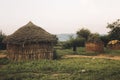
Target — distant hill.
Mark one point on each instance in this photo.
(65, 37)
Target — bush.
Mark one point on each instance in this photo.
(2, 45)
(4, 61)
(81, 42)
(66, 45)
(78, 42)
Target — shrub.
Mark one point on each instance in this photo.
(4, 61)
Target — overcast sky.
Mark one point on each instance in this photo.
(59, 16)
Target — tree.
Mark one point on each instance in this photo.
(2, 45)
(105, 39)
(84, 33)
(74, 43)
(77, 42)
(94, 37)
(114, 30)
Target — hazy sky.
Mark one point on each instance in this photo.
(59, 16)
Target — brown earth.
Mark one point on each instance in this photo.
(3, 55)
(103, 56)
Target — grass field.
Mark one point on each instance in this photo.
(81, 51)
(63, 69)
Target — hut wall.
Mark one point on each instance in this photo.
(95, 47)
(114, 47)
(30, 52)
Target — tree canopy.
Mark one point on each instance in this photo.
(84, 33)
(105, 39)
(114, 30)
(2, 36)
(94, 37)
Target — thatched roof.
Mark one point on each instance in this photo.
(30, 33)
(113, 42)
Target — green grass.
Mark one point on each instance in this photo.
(81, 51)
(112, 52)
(64, 69)
(4, 61)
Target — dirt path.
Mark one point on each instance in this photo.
(2, 55)
(82, 56)
(98, 56)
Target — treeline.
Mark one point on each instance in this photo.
(85, 35)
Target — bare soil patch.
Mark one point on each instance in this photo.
(3, 55)
(103, 56)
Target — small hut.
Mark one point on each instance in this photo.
(114, 44)
(30, 42)
(94, 44)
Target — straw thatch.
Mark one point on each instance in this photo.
(114, 44)
(94, 44)
(94, 47)
(30, 33)
(30, 42)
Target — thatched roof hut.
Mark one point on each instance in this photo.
(94, 44)
(114, 44)
(30, 42)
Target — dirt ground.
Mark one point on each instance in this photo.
(104, 56)
(3, 55)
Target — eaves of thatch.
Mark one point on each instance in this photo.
(30, 33)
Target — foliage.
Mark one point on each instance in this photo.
(114, 33)
(84, 33)
(2, 45)
(55, 56)
(78, 42)
(105, 39)
(66, 45)
(4, 61)
(94, 37)
(74, 42)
